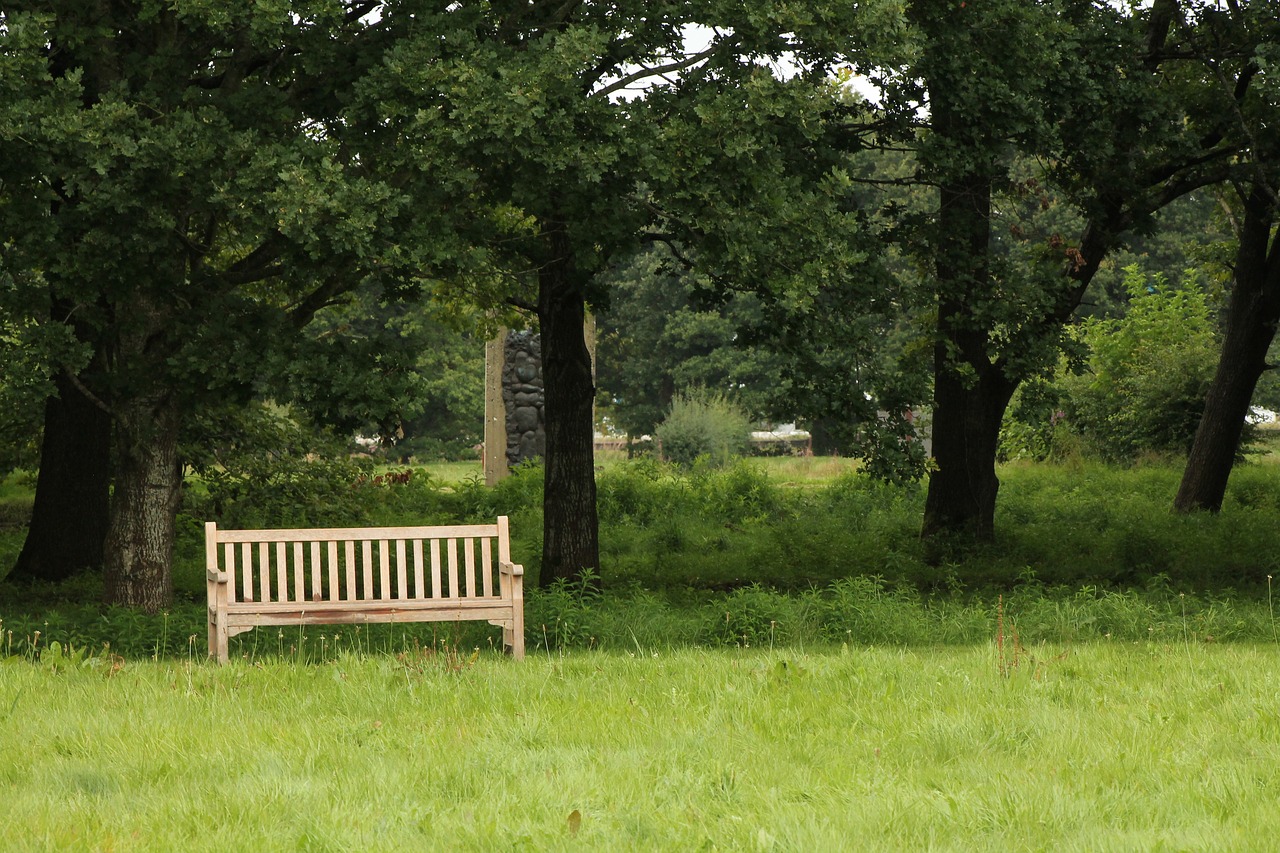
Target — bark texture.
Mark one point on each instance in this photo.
(970, 390)
(148, 487)
(1252, 314)
(570, 541)
(138, 568)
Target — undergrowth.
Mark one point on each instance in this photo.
(857, 611)
(729, 557)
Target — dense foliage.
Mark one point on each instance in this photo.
(659, 335)
(204, 207)
(734, 556)
(1147, 372)
(1138, 386)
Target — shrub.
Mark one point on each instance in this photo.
(634, 490)
(566, 613)
(706, 425)
(1148, 371)
(737, 493)
(757, 616)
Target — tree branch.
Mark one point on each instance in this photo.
(322, 297)
(515, 302)
(679, 65)
(83, 389)
(258, 264)
(1158, 26)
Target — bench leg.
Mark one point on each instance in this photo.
(213, 633)
(513, 637)
(219, 636)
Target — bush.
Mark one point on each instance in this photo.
(1138, 384)
(705, 425)
(1148, 372)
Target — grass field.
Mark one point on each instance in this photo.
(705, 700)
(785, 470)
(1095, 747)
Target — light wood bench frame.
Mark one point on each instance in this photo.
(343, 576)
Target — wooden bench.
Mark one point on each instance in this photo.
(362, 575)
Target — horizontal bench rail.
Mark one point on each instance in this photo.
(326, 534)
(308, 576)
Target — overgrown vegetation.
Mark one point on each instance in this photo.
(738, 556)
(760, 618)
(1135, 387)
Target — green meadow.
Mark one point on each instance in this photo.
(773, 662)
(1100, 746)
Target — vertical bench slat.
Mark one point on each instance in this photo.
(417, 570)
(316, 592)
(229, 557)
(366, 564)
(335, 592)
(264, 570)
(349, 551)
(486, 565)
(402, 569)
(469, 556)
(384, 570)
(282, 573)
(452, 547)
(299, 572)
(436, 589)
(300, 592)
(246, 569)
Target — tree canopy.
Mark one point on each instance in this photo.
(181, 181)
(202, 203)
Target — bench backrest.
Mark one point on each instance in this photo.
(360, 563)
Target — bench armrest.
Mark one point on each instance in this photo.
(511, 568)
(216, 577)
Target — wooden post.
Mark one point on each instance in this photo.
(495, 411)
(589, 335)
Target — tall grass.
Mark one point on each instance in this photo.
(854, 611)
(1062, 524)
(1109, 746)
(730, 556)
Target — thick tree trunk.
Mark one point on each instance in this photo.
(138, 568)
(144, 506)
(971, 391)
(1252, 315)
(961, 500)
(69, 517)
(570, 541)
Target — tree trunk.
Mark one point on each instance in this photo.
(138, 570)
(970, 392)
(961, 499)
(1252, 315)
(69, 517)
(144, 506)
(570, 540)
